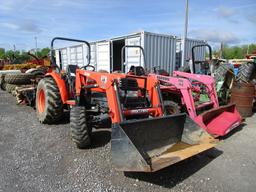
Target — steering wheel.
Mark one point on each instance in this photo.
(88, 66)
(155, 68)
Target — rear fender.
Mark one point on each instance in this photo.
(61, 85)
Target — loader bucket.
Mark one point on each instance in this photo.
(149, 145)
(220, 121)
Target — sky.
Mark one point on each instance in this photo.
(229, 21)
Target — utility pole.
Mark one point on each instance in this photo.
(36, 45)
(185, 36)
(248, 47)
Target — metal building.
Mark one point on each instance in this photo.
(75, 55)
(160, 50)
(106, 54)
(189, 43)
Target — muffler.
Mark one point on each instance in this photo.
(220, 121)
(148, 145)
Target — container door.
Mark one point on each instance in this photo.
(93, 55)
(133, 56)
(64, 58)
(76, 55)
(103, 56)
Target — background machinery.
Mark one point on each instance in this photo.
(196, 95)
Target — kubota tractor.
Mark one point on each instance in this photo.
(143, 138)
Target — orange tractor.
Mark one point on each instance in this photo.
(143, 138)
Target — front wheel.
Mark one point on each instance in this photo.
(80, 131)
(171, 108)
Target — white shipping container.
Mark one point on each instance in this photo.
(160, 50)
(74, 55)
(189, 43)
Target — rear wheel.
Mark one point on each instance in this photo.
(171, 107)
(49, 106)
(245, 72)
(80, 131)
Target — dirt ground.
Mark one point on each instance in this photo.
(35, 157)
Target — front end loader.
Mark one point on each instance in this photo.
(206, 112)
(183, 92)
(143, 138)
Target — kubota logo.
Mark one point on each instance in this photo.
(104, 79)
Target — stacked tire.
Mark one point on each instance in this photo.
(14, 80)
(2, 82)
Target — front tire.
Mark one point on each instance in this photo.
(80, 131)
(171, 108)
(49, 106)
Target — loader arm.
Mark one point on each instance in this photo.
(217, 121)
(184, 86)
(206, 80)
(108, 83)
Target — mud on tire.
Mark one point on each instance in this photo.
(19, 78)
(80, 131)
(49, 107)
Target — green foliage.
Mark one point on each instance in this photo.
(2, 52)
(237, 52)
(18, 57)
(43, 53)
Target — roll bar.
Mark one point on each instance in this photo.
(193, 53)
(53, 63)
(131, 46)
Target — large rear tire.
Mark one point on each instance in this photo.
(80, 131)
(49, 106)
(245, 72)
(220, 73)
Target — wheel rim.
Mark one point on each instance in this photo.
(41, 101)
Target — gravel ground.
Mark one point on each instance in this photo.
(35, 157)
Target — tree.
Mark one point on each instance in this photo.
(43, 53)
(237, 52)
(2, 52)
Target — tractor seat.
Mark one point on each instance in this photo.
(71, 70)
(129, 94)
(137, 70)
